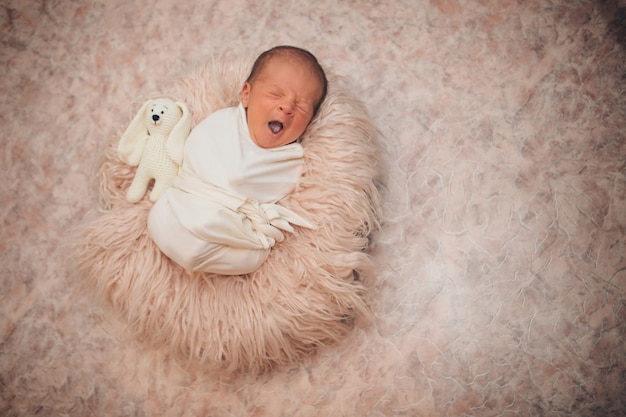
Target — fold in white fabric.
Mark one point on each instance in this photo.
(267, 219)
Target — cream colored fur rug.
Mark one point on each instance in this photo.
(308, 291)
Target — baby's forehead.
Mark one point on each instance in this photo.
(288, 60)
(266, 73)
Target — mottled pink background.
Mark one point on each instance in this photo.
(501, 288)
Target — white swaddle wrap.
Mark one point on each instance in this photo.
(220, 214)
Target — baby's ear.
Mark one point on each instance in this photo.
(245, 94)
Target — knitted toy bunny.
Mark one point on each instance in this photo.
(155, 141)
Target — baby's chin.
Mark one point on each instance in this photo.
(267, 142)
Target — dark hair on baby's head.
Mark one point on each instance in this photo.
(292, 52)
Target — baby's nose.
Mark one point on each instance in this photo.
(286, 107)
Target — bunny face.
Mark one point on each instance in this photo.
(162, 115)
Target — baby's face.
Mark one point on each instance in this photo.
(280, 103)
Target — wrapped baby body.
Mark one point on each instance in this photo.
(221, 215)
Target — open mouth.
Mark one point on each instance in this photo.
(275, 126)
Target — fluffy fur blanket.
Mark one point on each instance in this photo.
(305, 295)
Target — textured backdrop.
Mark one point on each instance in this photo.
(501, 287)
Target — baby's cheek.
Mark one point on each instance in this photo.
(305, 119)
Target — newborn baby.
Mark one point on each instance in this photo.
(220, 214)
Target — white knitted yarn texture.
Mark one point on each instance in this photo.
(154, 141)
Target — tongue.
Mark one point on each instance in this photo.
(275, 126)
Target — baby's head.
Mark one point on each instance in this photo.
(282, 95)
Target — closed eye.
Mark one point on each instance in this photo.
(304, 107)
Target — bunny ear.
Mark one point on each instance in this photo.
(134, 137)
(178, 135)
